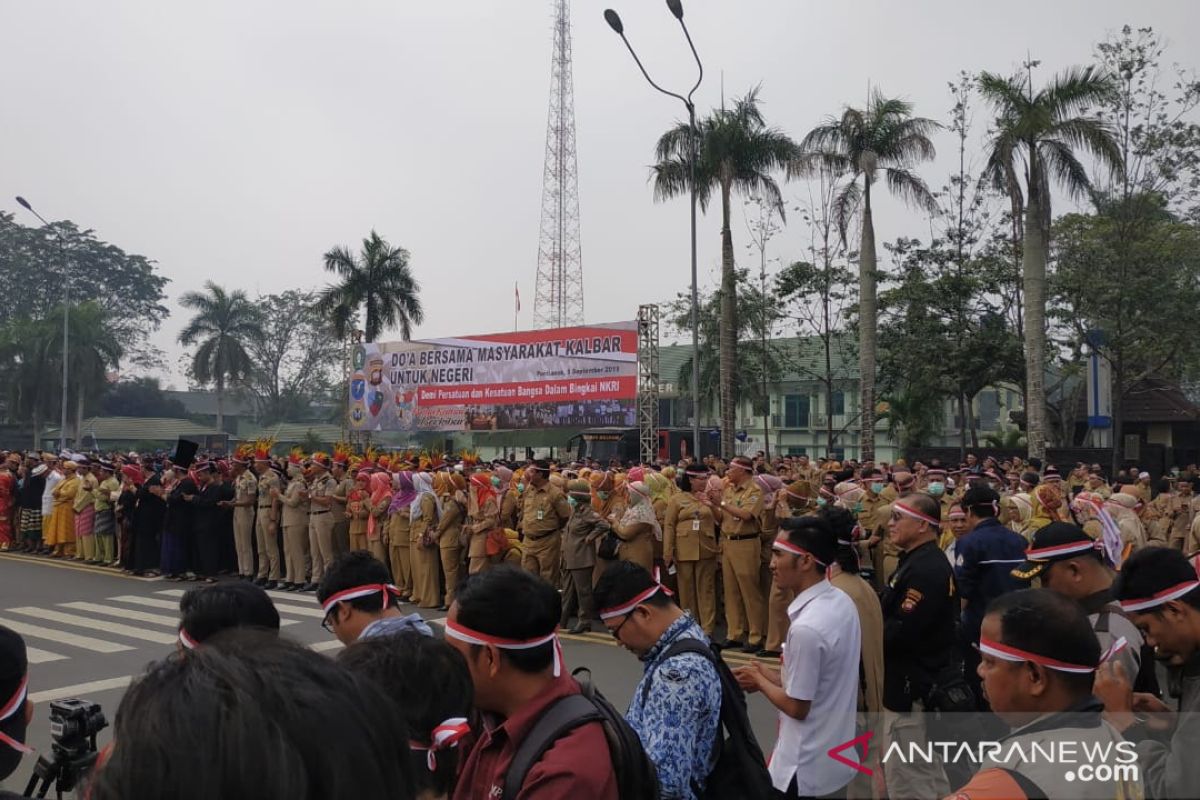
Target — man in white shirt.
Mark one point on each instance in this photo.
(816, 690)
(53, 478)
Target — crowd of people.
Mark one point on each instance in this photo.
(991, 601)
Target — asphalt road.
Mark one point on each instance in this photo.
(91, 630)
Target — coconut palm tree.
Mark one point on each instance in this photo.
(736, 151)
(1035, 140)
(882, 138)
(223, 326)
(380, 281)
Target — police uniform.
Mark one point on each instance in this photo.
(741, 558)
(264, 527)
(295, 531)
(690, 542)
(341, 523)
(320, 524)
(245, 495)
(544, 513)
(920, 607)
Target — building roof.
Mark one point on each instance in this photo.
(296, 432)
(202, 402)
(138, 429)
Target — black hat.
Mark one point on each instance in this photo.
(980, 496)
(1058, 541)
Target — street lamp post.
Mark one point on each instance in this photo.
(614, 22)
(62, 250)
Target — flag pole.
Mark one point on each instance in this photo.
(517, 303)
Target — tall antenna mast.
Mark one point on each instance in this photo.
(558, 296)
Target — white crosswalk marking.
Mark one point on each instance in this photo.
(124, 613)
(303, 611)
(50, 615)
(149, 602)
(62, 637)
(140, 616)
(39, 656)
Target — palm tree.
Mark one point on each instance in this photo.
(94, 351)
(224, 324)
(1035, 139)
(886, 137)
(380, 281)
(736, 150)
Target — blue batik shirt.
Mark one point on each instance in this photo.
(386, 626)
(680, 719)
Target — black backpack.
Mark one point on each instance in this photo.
(740, 772)
(636, 776)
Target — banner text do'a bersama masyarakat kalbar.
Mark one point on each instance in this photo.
(584, 376)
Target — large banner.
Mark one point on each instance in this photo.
(579, 377)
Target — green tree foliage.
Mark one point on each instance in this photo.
(1036, 141)
(379, 282)
(755, 362)
(883, 141)
(736, 151)
(224, 325)
(296, 361)
(127, 287)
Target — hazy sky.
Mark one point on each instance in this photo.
(237, 141)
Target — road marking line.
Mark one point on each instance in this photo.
(38, 656)
(331, 644)
(47, 695)
(152, 602)
(95, 624)
(63, 637)
(140, 616)
(303, 611)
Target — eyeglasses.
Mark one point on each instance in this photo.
(616, 632)
(325, 621)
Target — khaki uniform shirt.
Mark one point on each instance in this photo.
(265, 483)
(341, 496)
(246, 488)
(295, 510)
(747, 497)
(690, 529)
(545, 511)
(584, 529)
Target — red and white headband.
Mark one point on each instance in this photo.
(909, 511)
(1159, 598)
(9, 709)
(784, 546)
(464, 634)
(625, 608)
(1053, 551)
(186, 640)
(444, 736)
(1009, 653)
(356, 592)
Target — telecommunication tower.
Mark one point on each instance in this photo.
(558, 298)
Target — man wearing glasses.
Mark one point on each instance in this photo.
(360, 601)
(676, 707)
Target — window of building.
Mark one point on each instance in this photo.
(795, 411)
(988, 409)
(797, 451)
(838, 401)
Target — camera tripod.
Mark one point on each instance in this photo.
(65, 769)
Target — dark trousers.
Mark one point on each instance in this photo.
(577, 596)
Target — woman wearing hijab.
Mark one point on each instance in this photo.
(377, 519)
(423, 550)
(483, 516)
(450, 487)
(60, 534)
(399, 523)
(637, 528)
